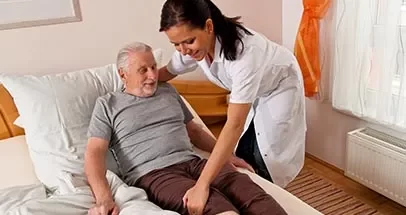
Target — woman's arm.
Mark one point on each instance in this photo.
(165, 75)
(195, 198)
(206, 142)
(178, 65)
(236, 116)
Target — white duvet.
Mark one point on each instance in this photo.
(33, 199)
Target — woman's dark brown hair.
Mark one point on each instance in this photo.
(228, 31)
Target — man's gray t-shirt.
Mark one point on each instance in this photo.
(144, 133)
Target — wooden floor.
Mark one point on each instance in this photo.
(381, 203)
(372, 198)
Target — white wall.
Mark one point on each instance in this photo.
(264, 16)
(291, 15)
(106, 26)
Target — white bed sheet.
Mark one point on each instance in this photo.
(33, 199)
(21, 192)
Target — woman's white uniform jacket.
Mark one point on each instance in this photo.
(268, 76)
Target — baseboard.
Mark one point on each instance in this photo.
(334, 168)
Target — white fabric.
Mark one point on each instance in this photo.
(55, 111)
(32, 198)
(256, 77)
(15, 165)
(369, 61)
(326, 44)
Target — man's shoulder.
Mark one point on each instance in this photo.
(167, 87)
(108, 98)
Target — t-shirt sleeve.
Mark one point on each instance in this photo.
(246, 73)
(186, 112)
(100, 125)
(188, 116)
(180, 64)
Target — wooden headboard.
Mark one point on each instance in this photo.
(8, 113)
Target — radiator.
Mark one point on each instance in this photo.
(377, 161)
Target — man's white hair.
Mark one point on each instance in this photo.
(124, 53)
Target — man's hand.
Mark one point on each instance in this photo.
(195, 199)
(238, 162)
(104, 208)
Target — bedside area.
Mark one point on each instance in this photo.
(207, 99)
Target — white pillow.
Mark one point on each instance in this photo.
(158, 54)
(55, 111)
(15, 163)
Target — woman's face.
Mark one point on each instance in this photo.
(192, 41)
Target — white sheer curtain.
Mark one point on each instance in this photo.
(369, 60)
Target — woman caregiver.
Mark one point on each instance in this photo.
(266, 112)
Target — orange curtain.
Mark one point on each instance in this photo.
(307, 44)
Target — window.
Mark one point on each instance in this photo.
(402, 50)
(379, 33)
(369, 60)
(403, 13)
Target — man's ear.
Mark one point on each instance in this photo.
(122, 74)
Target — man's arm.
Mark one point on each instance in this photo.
(95, 169)
(200, 137)
(99, 133)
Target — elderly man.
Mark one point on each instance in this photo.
(150, 131)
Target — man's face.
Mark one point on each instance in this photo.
(141, 79)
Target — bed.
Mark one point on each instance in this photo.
(25, 182)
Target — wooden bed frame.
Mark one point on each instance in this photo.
(8, 114)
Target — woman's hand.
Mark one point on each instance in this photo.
(195, 199)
